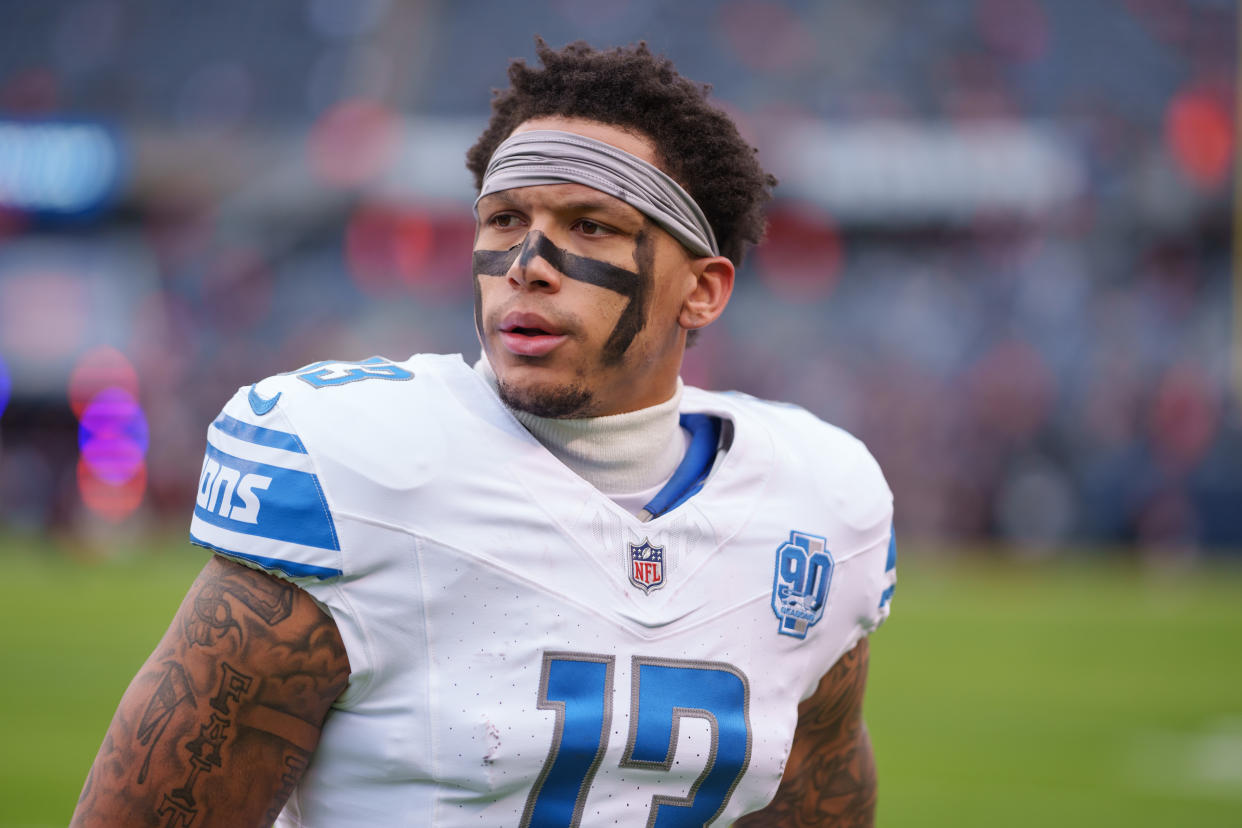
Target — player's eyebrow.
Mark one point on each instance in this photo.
(606, 206)
(498, 199)
(603, 204)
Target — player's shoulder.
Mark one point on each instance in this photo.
(289, 452)
(813, 452)
(357, 415)
(790, 426)
(347, 392)
(344, 381)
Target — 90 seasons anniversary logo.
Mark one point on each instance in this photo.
(800, 584)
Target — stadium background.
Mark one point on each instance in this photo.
(1000, 254)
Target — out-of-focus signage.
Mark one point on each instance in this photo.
(59, 168)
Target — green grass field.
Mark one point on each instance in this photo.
(1001, 695)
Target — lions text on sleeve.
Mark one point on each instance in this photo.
(524, 652)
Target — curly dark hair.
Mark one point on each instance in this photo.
(629, 87)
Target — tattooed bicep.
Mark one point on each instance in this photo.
(839, 695)
(220, 721)
(208, 615)
(829, 777)
(261, 625)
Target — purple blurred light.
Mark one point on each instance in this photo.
(113, 460)
(6, 386)
(113, 436)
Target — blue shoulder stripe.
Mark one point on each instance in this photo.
(259, 435)
(292, 568)
(889, 566)
(267, 501)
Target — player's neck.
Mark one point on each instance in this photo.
(620, 454)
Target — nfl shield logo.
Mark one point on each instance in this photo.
(646, 566)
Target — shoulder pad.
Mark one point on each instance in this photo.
(259, 498)
(266, 394)
(842, 469)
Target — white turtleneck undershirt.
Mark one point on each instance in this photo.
(628, 457)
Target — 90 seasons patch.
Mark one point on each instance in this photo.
(800, 586)
(646, 566)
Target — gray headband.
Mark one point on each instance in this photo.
(548, 156)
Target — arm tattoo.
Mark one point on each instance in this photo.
(220, 723)
(295, 766)
(830, 778)
(174, 689)
(179, 805)
(212, 616)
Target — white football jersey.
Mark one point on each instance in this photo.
(524, 652)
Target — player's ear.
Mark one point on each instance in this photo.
(709, 293)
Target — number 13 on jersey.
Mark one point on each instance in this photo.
(579, 688)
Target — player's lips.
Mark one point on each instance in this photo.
(529, 334)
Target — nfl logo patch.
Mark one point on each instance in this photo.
(646, 566)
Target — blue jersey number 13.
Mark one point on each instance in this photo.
(578, 686)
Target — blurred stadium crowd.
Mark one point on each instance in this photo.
(1000, 253)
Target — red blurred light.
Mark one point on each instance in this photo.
(100, 368)
(353, 142)
(1184, 417)
(800, 258)
(109, 501)
(387, 249)
(1199, 131)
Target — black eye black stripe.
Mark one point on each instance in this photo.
(495, 262)
(634, 318)
(583, 269)
(634, 286)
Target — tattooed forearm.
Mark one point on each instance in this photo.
(218, 726)
(830, 778)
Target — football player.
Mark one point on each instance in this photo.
(554, 588)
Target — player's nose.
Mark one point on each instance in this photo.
(533, 266)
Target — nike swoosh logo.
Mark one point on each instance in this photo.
(258, 404)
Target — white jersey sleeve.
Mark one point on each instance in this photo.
(263, 498)
(259, 499)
